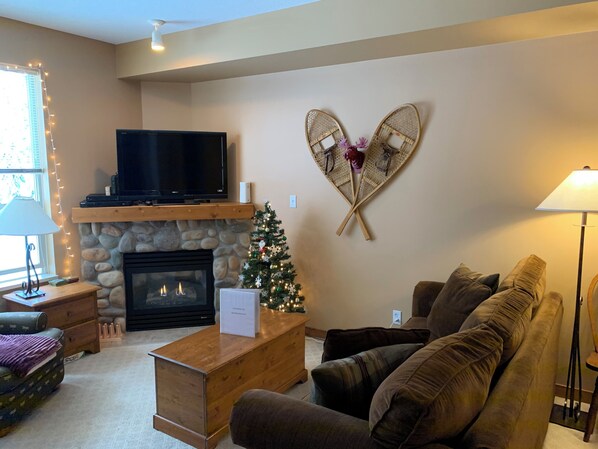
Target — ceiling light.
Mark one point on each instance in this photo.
(157, 44)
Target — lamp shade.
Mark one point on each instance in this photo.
(24, 216)
(577, 193)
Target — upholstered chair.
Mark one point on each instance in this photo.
(22, 389)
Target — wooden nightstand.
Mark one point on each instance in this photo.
(72, 308)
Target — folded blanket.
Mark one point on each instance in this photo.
(19, 353)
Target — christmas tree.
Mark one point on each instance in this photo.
(268, 267)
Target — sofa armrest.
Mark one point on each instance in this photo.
(262, 419)
(424, 295)
(22, 322)
(341, 343)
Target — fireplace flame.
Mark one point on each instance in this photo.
(163, 291)
(179, 291)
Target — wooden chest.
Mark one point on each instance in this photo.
(199, 377)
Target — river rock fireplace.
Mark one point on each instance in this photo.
(105, 243)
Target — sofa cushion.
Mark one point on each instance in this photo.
(348, 385)
(462, 293)
(528, 275)
(341, 343)
(509, 314)
(437, 392)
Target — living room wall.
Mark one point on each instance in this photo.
(503, 125)
(89, 103)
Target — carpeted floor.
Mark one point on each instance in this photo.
(107, 400)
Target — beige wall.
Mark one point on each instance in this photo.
(89, 104)
(503, 125)
(166, 105)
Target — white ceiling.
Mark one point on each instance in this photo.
(119, 21)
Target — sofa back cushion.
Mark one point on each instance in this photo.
(437, 392)
(508, 313)
(528, 275)
(462, 293)
(348, 385)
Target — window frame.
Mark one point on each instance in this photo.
(38, 122)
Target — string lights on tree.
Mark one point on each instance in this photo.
(268, 267)
(53, 169)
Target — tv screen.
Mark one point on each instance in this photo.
(171, 164)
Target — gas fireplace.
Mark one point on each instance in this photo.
(169, 289)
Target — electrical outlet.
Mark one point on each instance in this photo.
(397, 317)
(293, 201)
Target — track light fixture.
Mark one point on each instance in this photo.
(157, 44)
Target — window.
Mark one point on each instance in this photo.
(23, 164)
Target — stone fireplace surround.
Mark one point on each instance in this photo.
(103, 243)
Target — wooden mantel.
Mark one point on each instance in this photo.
(208, 211)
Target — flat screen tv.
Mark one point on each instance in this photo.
(171, 166)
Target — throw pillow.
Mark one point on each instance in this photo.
(437, 392)
(341, 343)
(491, 280)
(462, 293)
(528, 275)
(348, 385)
(509, 313)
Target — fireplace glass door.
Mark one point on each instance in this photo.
(171, 289)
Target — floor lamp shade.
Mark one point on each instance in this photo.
(24, 216)
(577, 193)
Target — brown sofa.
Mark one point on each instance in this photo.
(500, 400)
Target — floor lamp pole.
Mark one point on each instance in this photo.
(571, 415)
(575, 357)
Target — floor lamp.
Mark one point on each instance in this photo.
(24, 216)
(577, 193)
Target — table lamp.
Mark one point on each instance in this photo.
(577, 193)
(24, 216)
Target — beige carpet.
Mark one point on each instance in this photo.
(107, 401)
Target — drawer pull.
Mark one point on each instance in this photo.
(69, 313)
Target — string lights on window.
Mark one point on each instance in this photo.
(54, 171)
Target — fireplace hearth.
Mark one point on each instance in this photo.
(169, 289)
